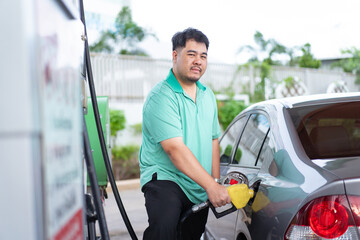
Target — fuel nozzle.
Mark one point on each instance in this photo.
(240, 194)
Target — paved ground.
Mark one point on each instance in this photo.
(134, 203)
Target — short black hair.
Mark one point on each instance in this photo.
(179, 39)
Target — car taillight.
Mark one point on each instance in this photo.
(326, 217)
(355, 207)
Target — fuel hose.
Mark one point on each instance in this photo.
(93, 184)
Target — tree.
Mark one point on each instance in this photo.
(350, 64)
(104, 43)
(263, 57)
(294, 60)
(127, 34)
(307, 60)
(269, 48)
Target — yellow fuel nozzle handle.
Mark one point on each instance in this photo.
(240, 194)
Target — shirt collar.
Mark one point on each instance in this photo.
(175, 85)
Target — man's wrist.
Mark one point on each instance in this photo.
(217, 180)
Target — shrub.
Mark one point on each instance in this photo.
(117, 121)
(125, 161)
(228, 111)
(307, 60)
(289, 81)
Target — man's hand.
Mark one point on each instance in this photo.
(218, 195)
(187, 163)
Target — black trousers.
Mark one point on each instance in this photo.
(165, 202)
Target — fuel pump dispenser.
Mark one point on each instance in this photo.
(103, 103)
(41, 128)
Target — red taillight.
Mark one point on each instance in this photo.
(355, 207)
(328, 219)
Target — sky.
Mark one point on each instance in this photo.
(328, 25)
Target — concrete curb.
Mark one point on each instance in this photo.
(125, 185)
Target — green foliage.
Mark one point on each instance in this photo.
(117, 121)
(127, 33)
(226, 156)
(127, 29)
(228, 150)
(104, 43)
(289, 81)
(265, 71)
(276, 48)
(294, 60)
(238, 155)
(259, 93)
(351, 64)
(307, 60)
(269, 47)
(228, 111)
(124, 153)
(125, 161)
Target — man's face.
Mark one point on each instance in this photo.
(190, 62)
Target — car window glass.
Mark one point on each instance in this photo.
(251, 140)
(328, 131)
(229, 139)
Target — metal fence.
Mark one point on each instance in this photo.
(130, 78)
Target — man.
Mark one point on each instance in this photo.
(179, 156)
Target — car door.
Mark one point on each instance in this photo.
(224, 228)
(251, 150)
(240, 149)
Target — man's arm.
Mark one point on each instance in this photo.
(215, 169)
(186, 162)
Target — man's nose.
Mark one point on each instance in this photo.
(198, 60)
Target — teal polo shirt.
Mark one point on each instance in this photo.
(170, 112)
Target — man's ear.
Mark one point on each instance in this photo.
(174, 56)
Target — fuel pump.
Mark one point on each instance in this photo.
(101, 174)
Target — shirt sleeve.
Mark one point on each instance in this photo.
(161, 118)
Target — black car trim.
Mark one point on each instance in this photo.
(262, 145)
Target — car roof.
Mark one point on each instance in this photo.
(300, 101)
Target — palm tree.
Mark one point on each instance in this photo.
(127, 34)
(265, 47)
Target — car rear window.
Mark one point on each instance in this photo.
(328, 131)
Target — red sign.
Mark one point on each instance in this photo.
(73, 229)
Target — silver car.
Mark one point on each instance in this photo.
(302, 158)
